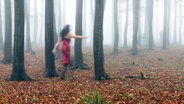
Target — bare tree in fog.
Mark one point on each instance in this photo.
(8, 33)
(126, 24)
(78, 60)
(180, 24)
(18, 72)
(27, 20)
(84, 42)
(100, 73)
(1, 33)
(150, 22)
(166, 25)
(50, 70)
(175, 22)
(35, 22)
(135, 26)
(91, 21)
(116, 28)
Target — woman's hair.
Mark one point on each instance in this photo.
(65, 31)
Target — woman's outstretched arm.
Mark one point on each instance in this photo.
(56, 45)
(76, 36)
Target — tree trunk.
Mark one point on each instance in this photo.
(146, 26)
(150, 23)
(84, 42)
(8, 33)
(78, 60)
(175, 22)
(168, 23)
(50, 70)
(126, 24)
(91, 22)
(98, 41)
(116, 28)
(27, 20)
(165, 25)
(1, 33)
(135, 26)
(18, 72)
(35, 22)
(180, 20)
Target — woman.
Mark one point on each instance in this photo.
(65, 36)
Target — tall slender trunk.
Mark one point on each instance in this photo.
(165, 25)
(35, 22)
(92, 21)
(50, 70)
(98, 41)
(175, 22)
(18, 72)
(135, 26)
(146, 27)
(126, 24)
(84, 42)
(150, 23)
(8, 33)
(180, 26)
(78, 60)
(27, 20)
(116, 28)
(1, 33)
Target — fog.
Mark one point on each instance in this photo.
(65, 12)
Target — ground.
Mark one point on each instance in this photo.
(163, 70)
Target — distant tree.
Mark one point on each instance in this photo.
(175, 22)
(116, 28)
(135, 25)
(50, 70)
(8, 33)
(27, 20)
(35, 22)
(150, 22)
(18, 72)
(1, 33)
(126, 24)
(165, 26)
(78, 60)
(180, 22)
(146, 26)
(98, 41)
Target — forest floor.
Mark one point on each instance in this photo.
(163, 70)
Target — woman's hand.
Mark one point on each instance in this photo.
(54, 51)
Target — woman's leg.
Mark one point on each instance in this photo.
(64, 71)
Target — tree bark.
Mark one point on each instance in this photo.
(18, 72)
(165, 24)
(116, 28)
(78, 60)
(1, 33)
(180, 25)
(135, 26)
(98, 41)
(8, 33)
(126, 24)
(27, 20)
(175, 22)
(50, 70)
(150, 23)
(35, 22)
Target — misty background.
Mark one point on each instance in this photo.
(65, 11)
